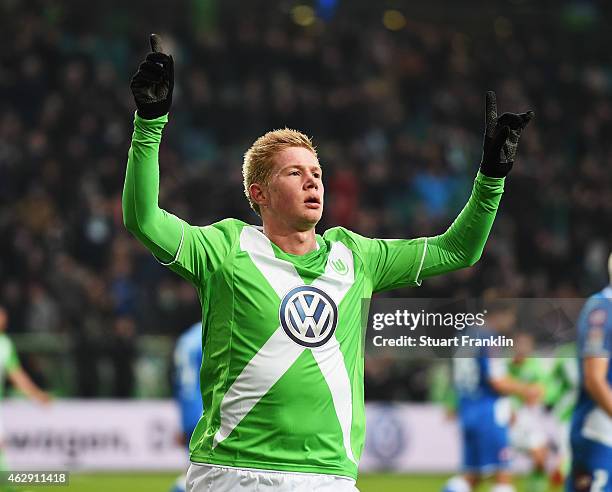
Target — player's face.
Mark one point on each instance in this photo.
(295, 189)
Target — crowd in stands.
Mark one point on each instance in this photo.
(397, 117)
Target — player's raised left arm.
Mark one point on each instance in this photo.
(462, 244)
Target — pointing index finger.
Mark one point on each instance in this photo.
(491, 113)
(156, 43)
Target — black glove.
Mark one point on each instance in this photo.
(153, 82)
(501, 138)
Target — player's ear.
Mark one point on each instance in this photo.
(259, 194)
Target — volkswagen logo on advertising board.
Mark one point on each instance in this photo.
(386, 436)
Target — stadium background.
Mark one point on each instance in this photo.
(392, 93)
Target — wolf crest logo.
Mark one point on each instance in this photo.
(339, 266)
(308, 315)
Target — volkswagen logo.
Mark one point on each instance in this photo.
(308, 315)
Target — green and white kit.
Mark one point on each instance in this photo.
(8, 359)
(282, 370)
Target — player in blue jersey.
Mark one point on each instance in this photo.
(481, 384)
(591, 431)
(187, 362)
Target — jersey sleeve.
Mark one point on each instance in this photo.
(159, 231)
(390, 263)
(463, 242)
(395, 263)
(202, 250)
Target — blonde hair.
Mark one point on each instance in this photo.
(257, 165)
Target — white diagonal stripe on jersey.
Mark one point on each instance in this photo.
(279, 353)
(329, 357)
(261, 373)
(332, 282)
(331, 362)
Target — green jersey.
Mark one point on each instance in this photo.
(283, 344)
(8, 359)
(529, 370)
(564, 382)
(282, 370)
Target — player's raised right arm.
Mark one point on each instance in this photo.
(152, 88)
(191, 251)
(159, 231)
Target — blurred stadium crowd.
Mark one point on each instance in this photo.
(394, 102)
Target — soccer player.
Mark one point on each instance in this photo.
(591, 429)
(283, 360)
(527, 432)
(187, 363)
(482, 384)
(561, 397)
(10, 366)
